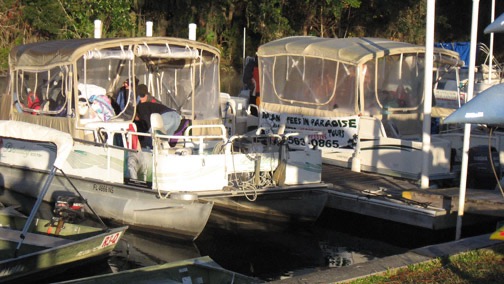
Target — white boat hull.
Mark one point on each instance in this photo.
(176, 201)
(140, 208)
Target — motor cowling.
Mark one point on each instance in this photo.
(69, 208)
(480, 168)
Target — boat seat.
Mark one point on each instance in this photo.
(32, 239)
(184, 124)
(157, 124)
(157, 127)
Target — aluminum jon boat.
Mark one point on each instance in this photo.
(32, 245)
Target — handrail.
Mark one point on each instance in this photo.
(186, 137)
(220, 126)
(104, 145)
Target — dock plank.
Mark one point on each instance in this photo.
(403, 200)
(347, 180)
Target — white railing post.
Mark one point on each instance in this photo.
(192, 31)
(148, 28)
(97, 28)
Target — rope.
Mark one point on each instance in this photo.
(492, 162)
(157, 145)
(246, 180)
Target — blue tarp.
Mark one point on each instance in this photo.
(461, 47)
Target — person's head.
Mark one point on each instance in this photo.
(127, 83)
(142, 91)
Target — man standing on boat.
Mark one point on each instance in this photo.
(146, 107)
(251, 82)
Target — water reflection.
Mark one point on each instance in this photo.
(138, 249)
(265, 251)
(273, 252)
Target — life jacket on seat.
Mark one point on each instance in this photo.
(33, 101)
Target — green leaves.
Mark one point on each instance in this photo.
(55, 19)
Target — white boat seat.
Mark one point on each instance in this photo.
(157, 125)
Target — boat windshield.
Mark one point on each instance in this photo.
(189, 85)
(101, 77)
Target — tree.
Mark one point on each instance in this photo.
(62, 19)
(410, 23)
(321, 18)
(221, 22)
(267, 19)
(13, 30)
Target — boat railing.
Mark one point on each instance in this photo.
(196, 141)
(103, 135)
(104, 132)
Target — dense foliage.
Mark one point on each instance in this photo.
(222, 22)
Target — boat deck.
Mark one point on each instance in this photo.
(403, 201)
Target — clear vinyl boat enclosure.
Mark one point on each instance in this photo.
(75, 86)
(356, 97)
(72, 85)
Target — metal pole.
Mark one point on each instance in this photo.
(192, 31)
(244, 38)
(429, 63)
(490, 64)
(467, 127)
(35, 209)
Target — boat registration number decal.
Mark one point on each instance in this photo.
(103, 188)
(110, 240)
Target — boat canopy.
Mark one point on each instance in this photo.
(61, 52)
(347, 50)
(344, 76)
(73, 84)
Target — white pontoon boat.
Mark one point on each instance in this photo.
(364, 97)
(168, 186)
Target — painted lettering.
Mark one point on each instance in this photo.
(103, 188)
(18, 268)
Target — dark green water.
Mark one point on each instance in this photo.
(337, 239)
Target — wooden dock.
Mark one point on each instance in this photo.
(403, 201)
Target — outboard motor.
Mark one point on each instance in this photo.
(480, 174)
(68, 209)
